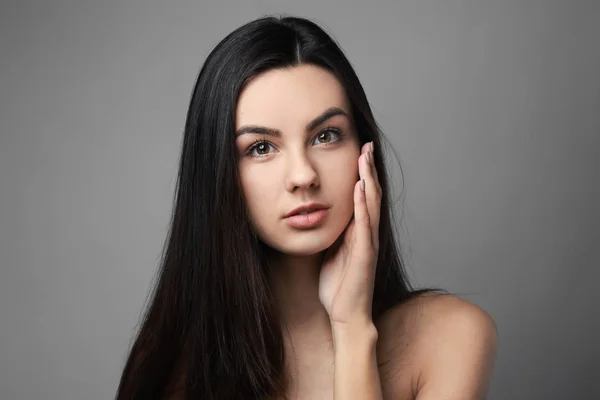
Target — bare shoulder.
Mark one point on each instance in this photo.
(434, 345)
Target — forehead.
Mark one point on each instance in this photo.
(281, 97)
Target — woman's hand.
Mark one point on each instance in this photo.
(347, 274)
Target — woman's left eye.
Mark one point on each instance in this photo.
(326, 133)
(324, 136)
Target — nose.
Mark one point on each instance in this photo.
(301, 173)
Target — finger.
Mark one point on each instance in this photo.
(374, 168)
(367, 147)
(375, 216)
(372, 197)
(363, 151)
(362, 225)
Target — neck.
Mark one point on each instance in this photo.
(295, 283)
(307, 334)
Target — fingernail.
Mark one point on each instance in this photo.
(369, 156)
(362, 184)
(372, 147)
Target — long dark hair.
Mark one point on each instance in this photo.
(212, 325)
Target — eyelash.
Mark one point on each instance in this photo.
(264, 141)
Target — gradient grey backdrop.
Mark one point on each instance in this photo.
(492, 106)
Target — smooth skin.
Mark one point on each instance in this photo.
(432, 347)
(348, 269)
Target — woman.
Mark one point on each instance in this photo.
(281, 276)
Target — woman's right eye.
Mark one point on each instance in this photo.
(259, 145)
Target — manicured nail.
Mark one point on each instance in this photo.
(369, 156)
(372, 147)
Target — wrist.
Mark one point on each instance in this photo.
(355, 333)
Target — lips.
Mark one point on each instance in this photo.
(307, 221)
(304, 209)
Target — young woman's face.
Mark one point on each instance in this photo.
(304, 164)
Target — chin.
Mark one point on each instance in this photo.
(304, 242)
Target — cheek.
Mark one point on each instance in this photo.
(259, 187)
(338, 184)
(342, 172)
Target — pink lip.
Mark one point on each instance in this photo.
(309, 220)
(306, 207)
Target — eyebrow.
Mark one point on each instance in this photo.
(330, 112)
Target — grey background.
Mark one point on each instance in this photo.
(492, 106)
